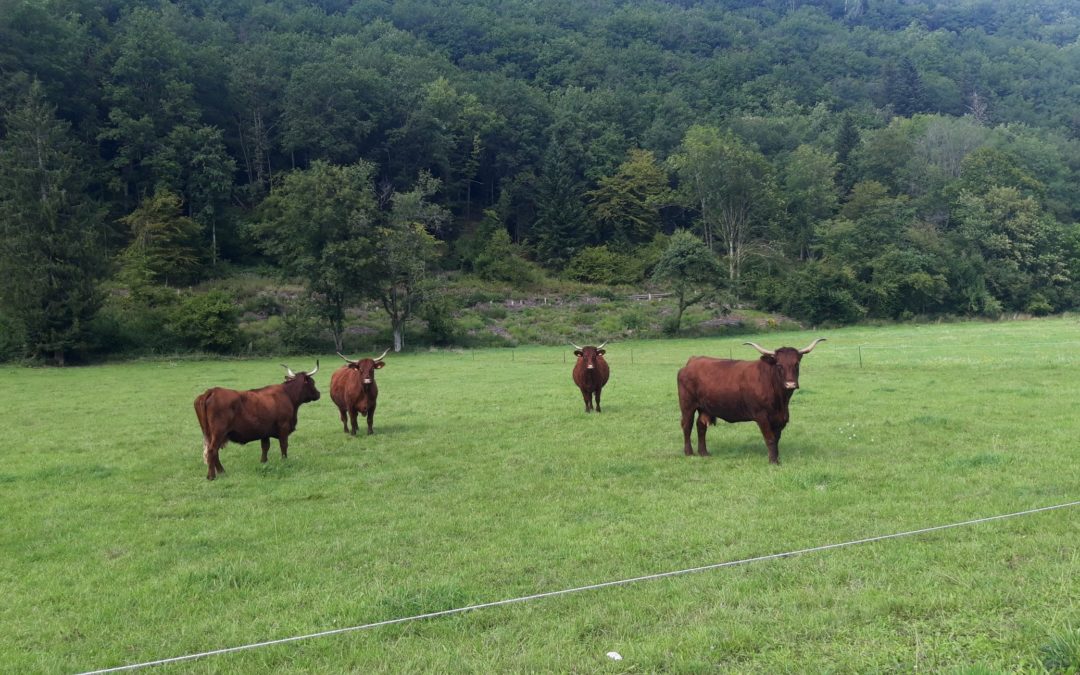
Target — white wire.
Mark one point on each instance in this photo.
(590, 587)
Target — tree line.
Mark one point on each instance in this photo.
(833, 160)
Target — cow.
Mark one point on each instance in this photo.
(740, 391)
(353, 389)
(590, 373)
(256, 414)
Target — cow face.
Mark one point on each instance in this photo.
(306, 384)
(786, 361)
(590, 356)
(302, 382)
(366, 368)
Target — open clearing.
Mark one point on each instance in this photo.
(485, 480)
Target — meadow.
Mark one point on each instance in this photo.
(485, 480)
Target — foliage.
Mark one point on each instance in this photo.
(690, 270)
(599, 265)
(406, 248)
(319, 225)
(50, 232)
(502, 260)
(287, 130)
(207, 322)
(163, 246)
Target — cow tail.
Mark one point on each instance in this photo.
(203, 404)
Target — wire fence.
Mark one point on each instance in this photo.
(861, 355)
(579, 589)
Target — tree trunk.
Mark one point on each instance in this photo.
(399, 336)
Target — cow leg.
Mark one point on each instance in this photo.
(772, 439)
(208, 457)
(265, 442)
(687, 423)
(597, 400)
(370, 420)
(344, 419)
(702, 427)
(352, 419)
(587, 395)
(211, 448)
(283, 441)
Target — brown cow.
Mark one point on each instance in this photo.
(590, 373)
(354, 390)
(740, 391)
(256, 414)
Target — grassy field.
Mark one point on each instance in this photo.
(485, 480)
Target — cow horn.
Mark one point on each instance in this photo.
(575, 346)
(807, 350)
(316, 368)
(347, 360)
(380, 357)
(288, 370)
(761, 349)
(601, 345)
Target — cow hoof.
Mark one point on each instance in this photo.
(705, 453)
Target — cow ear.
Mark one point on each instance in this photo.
(379, 364)
(601, 352)
(577, 352)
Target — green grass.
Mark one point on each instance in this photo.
(485, 480)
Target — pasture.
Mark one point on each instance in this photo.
(485, 480)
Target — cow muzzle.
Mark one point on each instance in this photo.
(590, 367)
(791, 385)
(367, 381)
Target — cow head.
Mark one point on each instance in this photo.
(366, 367)
(589, 355)
(786, 361)
(303, 383)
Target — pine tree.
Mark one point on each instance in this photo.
(50, 232)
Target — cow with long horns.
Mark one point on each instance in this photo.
(353, 389)
(256, 414)
(740, 391)
(590, 373)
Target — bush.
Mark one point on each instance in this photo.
(1039, 305)
(207, 322)
(137, 324)
(301, 330)
(501, 260)
(598, 265)
(11, 338)
(437, 313)
(818, 294)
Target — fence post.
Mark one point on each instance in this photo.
(860, 356)
(631, 357)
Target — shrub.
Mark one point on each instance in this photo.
(137, 324)
(501, 260)
(11, 338)
(437, 313)
(818, 293)
(207, 322)
(599, 265)
(301, 329)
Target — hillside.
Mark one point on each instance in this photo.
(836, 160)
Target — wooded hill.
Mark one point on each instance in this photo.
(832, 160)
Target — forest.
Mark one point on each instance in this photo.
(833, 161)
